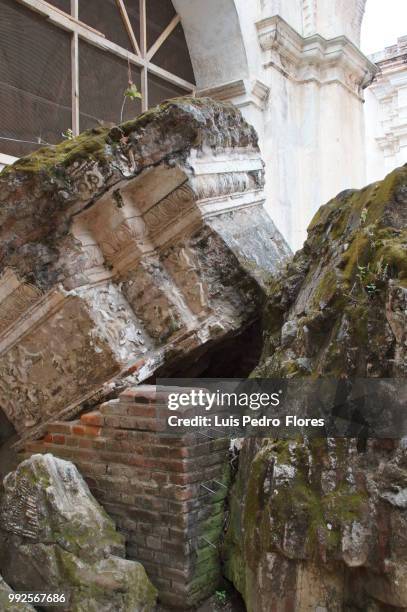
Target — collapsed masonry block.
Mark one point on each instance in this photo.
(128, 252)
(165, 491)
(56, 538)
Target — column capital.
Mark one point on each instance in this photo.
(314, 58)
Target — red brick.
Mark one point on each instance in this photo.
(60, 427)
(94, 418)
(85, 443)
(86, 430)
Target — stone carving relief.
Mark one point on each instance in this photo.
(55, 363)
(218, 185)
(90, 178)
(309, 17)
(136, 274)
(15, 298)
(178, 202)
(149, 292)
(115, 322)
(183, 266)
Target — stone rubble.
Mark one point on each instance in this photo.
(55, 537)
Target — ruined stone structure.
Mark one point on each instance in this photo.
(130, 252)
(127, 254)
(321, 524)
(164, 491)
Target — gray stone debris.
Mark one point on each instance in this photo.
(54, 537)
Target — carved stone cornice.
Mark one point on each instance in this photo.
(242, 92)
(314, 58)
(141, 249)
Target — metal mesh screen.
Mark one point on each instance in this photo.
(63, 5)
(133, 11)
(159, 15)
(35, 80)
(103, 79)
(159, 90)
(104, 16)
(173, 55)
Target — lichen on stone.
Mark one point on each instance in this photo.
(323, 509)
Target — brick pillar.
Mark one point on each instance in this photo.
(165, 492)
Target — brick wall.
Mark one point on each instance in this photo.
(165, 492)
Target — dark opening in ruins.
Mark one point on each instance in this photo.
(8, 458)
(235, 356)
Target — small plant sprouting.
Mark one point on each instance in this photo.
(221, 597)
(68, 134)
(371, 279)
(130, 93)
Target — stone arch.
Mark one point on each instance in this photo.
(213, 31)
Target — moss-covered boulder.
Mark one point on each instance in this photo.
(339, 307)
(56, 538)
(320, 524)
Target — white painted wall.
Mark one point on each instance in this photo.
(291, 11)
(376, 167)
(340, 18)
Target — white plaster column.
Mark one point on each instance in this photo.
(315, 120)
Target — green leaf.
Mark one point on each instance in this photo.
(68, 134)
(132, 92)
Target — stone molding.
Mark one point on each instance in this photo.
(314, 58)
(242, 92)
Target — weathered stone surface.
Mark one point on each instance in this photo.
(320, 525)
(122, 251)
(6, 605)
(54, 537)
(344, 294)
